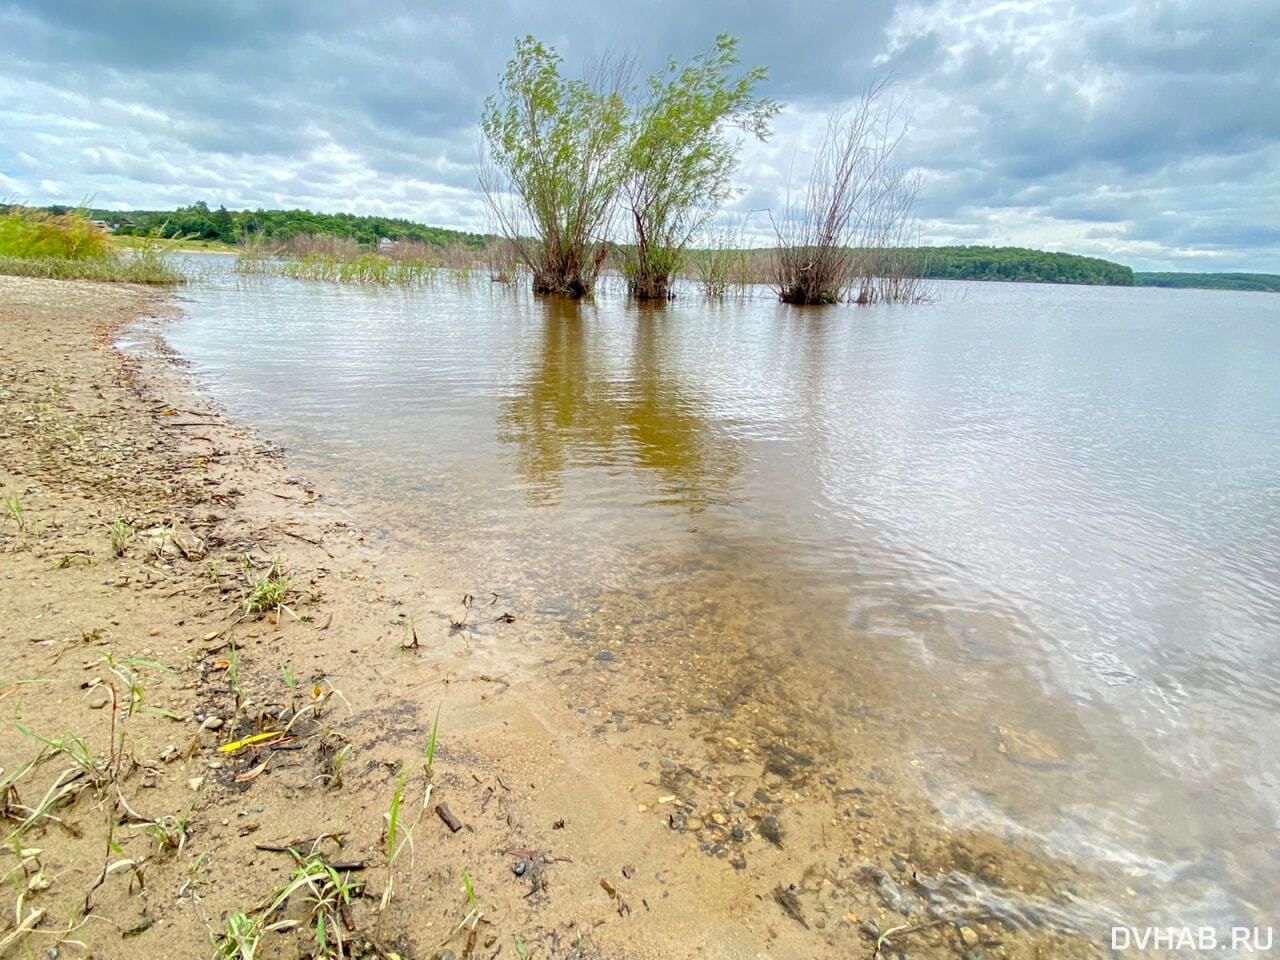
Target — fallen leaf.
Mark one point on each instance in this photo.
(252, 774)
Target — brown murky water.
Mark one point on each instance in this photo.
(989, 586)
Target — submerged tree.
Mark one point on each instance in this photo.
(679, 157)
(560, 154)
(554, 167)
(856, 210)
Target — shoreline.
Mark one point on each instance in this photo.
(93, 436)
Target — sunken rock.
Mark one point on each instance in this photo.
(1028, 747)
(771, 829)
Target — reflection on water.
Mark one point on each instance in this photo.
(1017, 553)
(572, 409)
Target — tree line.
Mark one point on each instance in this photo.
(1268, 282)
(1018, 265)
(199, 222)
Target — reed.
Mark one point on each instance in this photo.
(69, 246)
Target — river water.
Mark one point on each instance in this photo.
(1024, 540)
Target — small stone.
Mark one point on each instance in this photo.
(969, 937)
(519, 868)
(771, 830)
(667, 763)
(738, 833)
(718, 819)
(195, 783)
(664, 718)
(605, 655)
(98, 699)
(213, 723)
(763, 796)
(694, 824)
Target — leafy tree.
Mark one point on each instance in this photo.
(554, 163)
(679, 157)
(224, 223)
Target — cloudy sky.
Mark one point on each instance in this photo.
(1145, 131)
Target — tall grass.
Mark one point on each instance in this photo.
(343, 260)
(69, 246)
(25, 232)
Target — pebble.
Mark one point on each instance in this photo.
(667, 763)
(519, 868)
(605, 655)
(213, 723)
(891, 896)
(664, 718)
(195, 783)
(99, 699)
(771, 830)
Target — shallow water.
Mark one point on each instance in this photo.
(1029, 535)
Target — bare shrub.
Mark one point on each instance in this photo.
(857, 206)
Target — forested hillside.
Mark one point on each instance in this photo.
(230, 226)
(1019, 265)
(1211, 281)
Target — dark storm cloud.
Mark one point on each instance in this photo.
(1143, 131)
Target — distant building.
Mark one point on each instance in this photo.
(385, 244)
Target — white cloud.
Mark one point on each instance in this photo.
(1145, 131)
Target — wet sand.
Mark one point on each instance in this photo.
(595, 820)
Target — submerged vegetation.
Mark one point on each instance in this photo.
(857, 203)
(70, 246)
(565, 157)
(343, 260)
(678, 159)
(552, 170)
